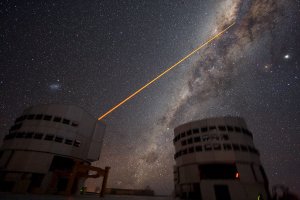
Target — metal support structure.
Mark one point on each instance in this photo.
(82, 171)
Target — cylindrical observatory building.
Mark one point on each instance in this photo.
(44, 145)
(217, 160)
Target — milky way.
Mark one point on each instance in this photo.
(210, 77)
(94, 54)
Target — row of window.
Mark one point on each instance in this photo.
(212, 128)
(205, 138)
(41, 136)
(47, 118)
(216, 147)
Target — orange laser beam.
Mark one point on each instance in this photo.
(166, 71)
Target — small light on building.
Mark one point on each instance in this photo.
(237, 175)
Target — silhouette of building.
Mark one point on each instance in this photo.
(49, 149)
(216, 159)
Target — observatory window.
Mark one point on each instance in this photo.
(207, 147)
(178, 153)
(175, 139)
(214, 137)
(24, 117)
(198, 148)
(191, 150)
(244, 148)
(66, 121)
(21, 118)
(237, 129)
(236, 147)
(222, 128)
(217, 146)
(76, 143)
(183, 142)
(204, 129)
(218, 171)
(205, 138)
(58, 139)
(30, 117)
(38, 136)
(182, 134)
(75, 124)
(47, 117)
(18, 126)
(225, 137)
(69, 142)
(197, 139)
(15, 127)
(229, 128)
(189, 132)
(251, 149)
(227, 147)
(190, 141)
(39, 116)
(211, 128)
(20, 135)
(255, 151)
(247, 132)
(196, 130)
(250, 134)
(29, 135)
(57, 119)
(49, 137)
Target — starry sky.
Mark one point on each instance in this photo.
(95, 53)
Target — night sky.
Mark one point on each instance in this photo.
(95, 53)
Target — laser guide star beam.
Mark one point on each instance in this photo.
(166, 71)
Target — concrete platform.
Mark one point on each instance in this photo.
(6, 196)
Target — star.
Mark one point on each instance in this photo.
(287, 56)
